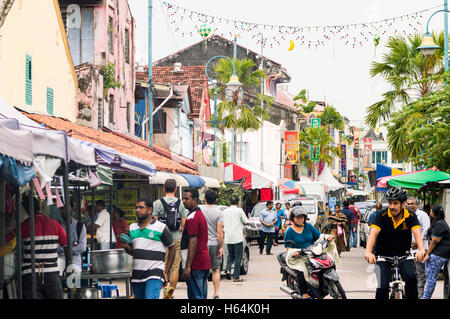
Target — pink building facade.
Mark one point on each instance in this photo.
(101, 37)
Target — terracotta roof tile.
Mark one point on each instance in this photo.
(194, 76)
(110, 139)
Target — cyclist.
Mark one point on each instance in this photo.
(390, 235)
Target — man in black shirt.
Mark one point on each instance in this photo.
(390, 235)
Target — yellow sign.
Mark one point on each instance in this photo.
(127, 202)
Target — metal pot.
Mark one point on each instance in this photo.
(84, 293)
(111, 261)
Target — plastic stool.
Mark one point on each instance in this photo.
(107, 290)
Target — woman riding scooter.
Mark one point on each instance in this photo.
(301, 235)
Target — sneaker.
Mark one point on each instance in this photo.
(238, 280)
(269, 254)
(228, 275)
(216, 297)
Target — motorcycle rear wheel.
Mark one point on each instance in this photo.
(336, 290)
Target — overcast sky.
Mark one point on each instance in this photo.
(336, 73)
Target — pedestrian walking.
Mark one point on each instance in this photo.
(120, 225)
(268, 218)
(102, 226)
(438, 251)
(349, 214)
(281, 216)
(171, 211)
(194, 241)
(150, 239)
(355, 224)
(213, 216)
(424, 220)
(337, 226)
(234, 220)
(78, 236)
(48, 233)
(378, 208)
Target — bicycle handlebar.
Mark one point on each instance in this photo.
(394, 258)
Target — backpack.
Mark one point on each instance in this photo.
(172, 216)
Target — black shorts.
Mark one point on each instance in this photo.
(51, 289)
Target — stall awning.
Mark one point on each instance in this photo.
(383, 181)
(161, 177)
(418, 179)
(355, 192)
(111, 158)
(46, 141)
(194, 180)
(211, 182)
(254, 178)
(17, 144)
(329, 180)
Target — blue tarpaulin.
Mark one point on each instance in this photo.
(14, 172)
(194, 180)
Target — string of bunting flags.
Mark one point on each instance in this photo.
(190, 23)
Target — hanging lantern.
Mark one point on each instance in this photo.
(204, 31)
(376, 41)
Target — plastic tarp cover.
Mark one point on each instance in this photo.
(14, 172)
(194, 180)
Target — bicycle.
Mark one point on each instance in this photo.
(397, 285)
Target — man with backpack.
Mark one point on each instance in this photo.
(170, 210)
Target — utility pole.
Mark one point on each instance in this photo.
(150, 78)
(446, 34)
(262, 106)
(233, 131)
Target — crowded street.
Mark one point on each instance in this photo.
(263, 279)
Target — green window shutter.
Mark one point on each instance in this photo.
(28, 80)
(50, 101)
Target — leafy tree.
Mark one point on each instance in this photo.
(225, 191)
(409, 73)
(420, 131)
(331, 118)
(248, 114)
(305, 106)
(109, 79)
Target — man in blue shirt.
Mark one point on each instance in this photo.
(349, 214)
(268, 219)
(280, 216)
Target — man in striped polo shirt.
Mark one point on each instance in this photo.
(150, 238)
(47, 234)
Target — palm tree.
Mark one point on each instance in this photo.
(246, 115)
(331, 118)
(408, 72)
(324, 140)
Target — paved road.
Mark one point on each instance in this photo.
(263, 278)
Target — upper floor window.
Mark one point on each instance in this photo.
(110, 35)
(127, 46)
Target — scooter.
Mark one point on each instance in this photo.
(320, 269)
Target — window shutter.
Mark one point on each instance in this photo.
(28, 80)
(50, 101)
